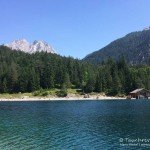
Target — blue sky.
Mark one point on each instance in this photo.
(72, 27)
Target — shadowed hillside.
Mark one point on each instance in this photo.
(135, 47)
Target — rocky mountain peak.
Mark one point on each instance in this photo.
(147, 28)
(36, 46)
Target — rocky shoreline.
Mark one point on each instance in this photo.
(61, 98)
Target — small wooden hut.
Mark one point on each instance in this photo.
(140, 94)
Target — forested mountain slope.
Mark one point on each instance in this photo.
(24, 72)
(135, 47)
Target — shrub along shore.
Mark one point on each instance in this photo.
(56, 94)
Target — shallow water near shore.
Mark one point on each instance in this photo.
(74, 124)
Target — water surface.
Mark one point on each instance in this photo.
(89, 125)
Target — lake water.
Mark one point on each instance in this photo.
(79, 125)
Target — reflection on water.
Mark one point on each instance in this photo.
(73, 124)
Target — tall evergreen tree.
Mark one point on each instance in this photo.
(13, 78)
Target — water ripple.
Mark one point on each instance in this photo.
(86, 125)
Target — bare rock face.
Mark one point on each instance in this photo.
(147, 28)
(25, 46)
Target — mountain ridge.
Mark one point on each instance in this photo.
(135, 47)
(25, 46)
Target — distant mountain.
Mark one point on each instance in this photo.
(135, 47)
(25, 46)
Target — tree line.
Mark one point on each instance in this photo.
(22, 72)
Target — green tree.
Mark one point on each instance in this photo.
(98, 84)
(4, 86)
(13, 78)
(67, 80)
(33, 82)
(90, 86)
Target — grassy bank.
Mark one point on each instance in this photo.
(40, 93)
(52, 93)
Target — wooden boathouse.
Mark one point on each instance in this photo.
(140, 94)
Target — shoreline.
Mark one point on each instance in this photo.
(61, 98)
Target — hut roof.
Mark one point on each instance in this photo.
(137, 90)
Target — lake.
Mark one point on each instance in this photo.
(79, 125)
